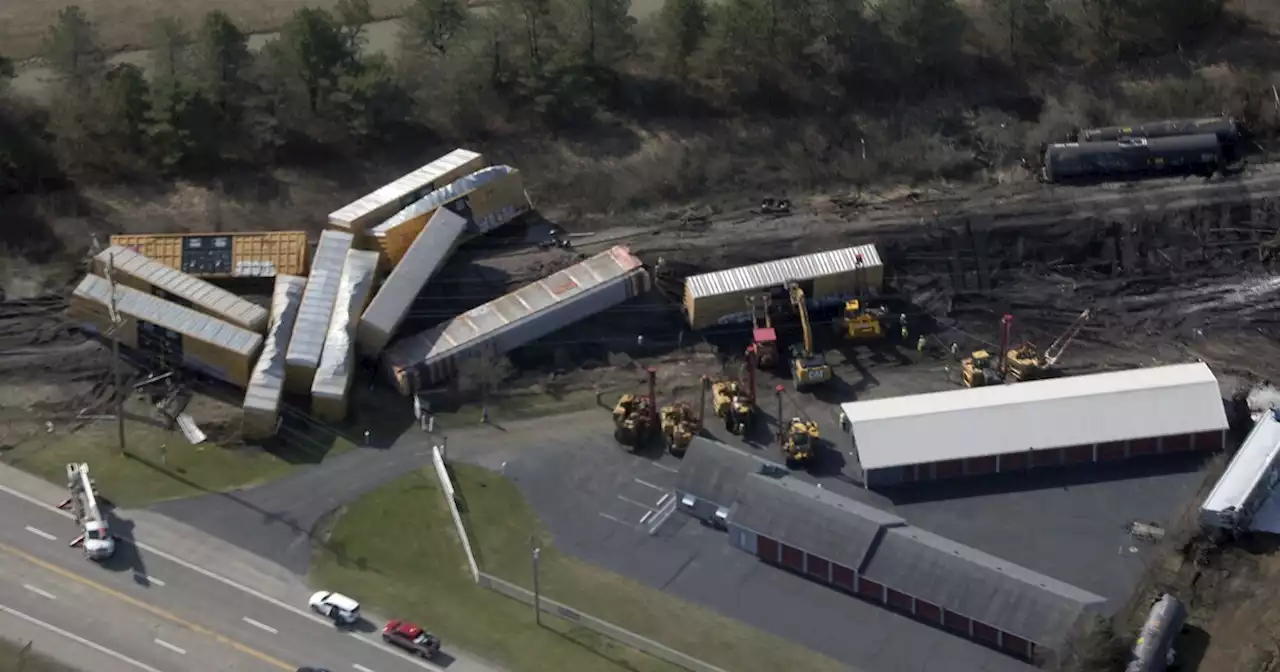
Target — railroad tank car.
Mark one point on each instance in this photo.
(1153, 650)
(1132, 157)
(1227, 129)
(145, 274)
(174, 335)
(336, 370)
(266, 382)
(252, 254)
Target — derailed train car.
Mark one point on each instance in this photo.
(1153, 651)
(1132, 157)
(1227, 130)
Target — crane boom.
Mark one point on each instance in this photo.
(797, 300)
(1056, 349)
(95, 536)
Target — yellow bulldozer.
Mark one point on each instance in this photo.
(861, 323)
(634, 417)
(800, 442)
(734, 404)
(679, 425)
(976, 369)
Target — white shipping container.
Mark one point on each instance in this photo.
(307, 342)
(266, 383)
(1249, 479)
(148, 275)
(358, 216)
(333, 377)
(519, 318)
(392, 303)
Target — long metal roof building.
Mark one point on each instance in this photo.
(1103, 408)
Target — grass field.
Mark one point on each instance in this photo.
(397, 549)
(14, 659)
(160, 464)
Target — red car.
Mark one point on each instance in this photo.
(411, 638)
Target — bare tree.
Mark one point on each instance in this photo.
(483, 373)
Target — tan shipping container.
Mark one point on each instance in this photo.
(487, 199)
(250, 254)
(306, 345)
(266, 383)
(336, 371)
(152, 277)
(833, 276)
(169, 334)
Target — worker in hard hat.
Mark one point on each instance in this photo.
(844, 422)
(955, 351)
(921, 343)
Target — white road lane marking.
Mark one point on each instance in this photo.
(39, 592)
(360, 667)
(149, 579)
(176, 649)
(615, 519)
(647, 484)
(77, 639)
(41, 533)
(632, 501)
(645, 517)
(377, 644)
(259, 624)
(664, 500)
(665, 467)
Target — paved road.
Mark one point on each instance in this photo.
(246, 614)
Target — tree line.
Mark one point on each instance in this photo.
(207, 100)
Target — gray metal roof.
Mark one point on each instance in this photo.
(148, 308)
(213, 299)
(715, 472)
(805, 516)
(402, 187)
(979, 586)
(779, 271)
(441, 196)
(307, 342)
(267, 380)
(333, 375)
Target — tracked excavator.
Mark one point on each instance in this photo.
(679, 425)
(635, 416)
(808, 368)
(734, 401)
(763, 336)
(800, 442)
(859, 322)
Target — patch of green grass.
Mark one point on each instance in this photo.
(14, 657)
(500, 522)
(520, 407)
(397, 548)
(159, 465)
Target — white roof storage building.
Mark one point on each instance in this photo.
(425, 256)
(1164, 401)
(307, 341)
(150, 276)
(356, 216)
(720, 297)
(333, 377)
(519, 318)
(266, 383)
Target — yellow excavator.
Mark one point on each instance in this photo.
(734, 404)
(807, 367)
(679, 425)
(634, 418)
(800, 442)
(1023, 362)
(763, 336)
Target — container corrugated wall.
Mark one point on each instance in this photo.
(170, 334)
(307, 342)
(487, 199)
(337, 362)
(250, 254)
(392, 303)
(358, 216)
(148, 275)
(720, 297)
(519, 318)
(266, 382)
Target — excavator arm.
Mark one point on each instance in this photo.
(1055, 350)
(797, 300)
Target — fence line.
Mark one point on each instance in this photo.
(437, 458)
(503, 587)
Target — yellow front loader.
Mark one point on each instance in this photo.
(800, 442)
(679, 425)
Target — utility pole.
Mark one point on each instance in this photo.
(116, 324)
(537, 596)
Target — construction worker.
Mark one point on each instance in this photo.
(844, 422)
(955, 351)
(921, 343)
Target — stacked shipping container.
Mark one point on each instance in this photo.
(260, 254)
(307, 342)
(337, 361)
(356, 217)
(266, 384)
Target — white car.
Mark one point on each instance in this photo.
(337, 607)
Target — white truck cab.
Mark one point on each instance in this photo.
(337, 607)
(98, 542)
